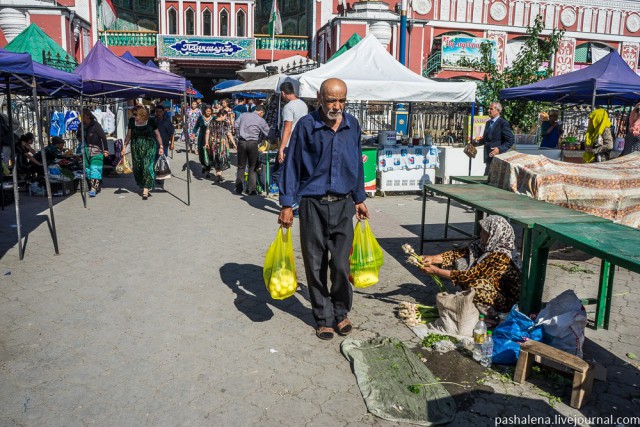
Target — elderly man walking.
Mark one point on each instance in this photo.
(323, 169)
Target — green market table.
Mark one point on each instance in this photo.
(516, 208)
(469, 179)
(614, 244)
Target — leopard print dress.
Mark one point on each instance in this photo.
(492, 269)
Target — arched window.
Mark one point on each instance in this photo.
(206, 22)
(189, 22)
(224, 23)
(172, 21)
(241, 23)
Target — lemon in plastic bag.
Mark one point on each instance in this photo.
(123, 166)
(279, 270)
(366, 256)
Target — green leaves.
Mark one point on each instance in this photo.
(533, 63)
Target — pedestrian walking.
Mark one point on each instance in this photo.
(219, 139)
(250, 128)
(95, 150)
(189, 137)
(204, 148)
(145, 142)
(324, 170)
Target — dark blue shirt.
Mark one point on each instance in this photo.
(320, 161)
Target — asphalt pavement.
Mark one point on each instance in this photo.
(155, 313)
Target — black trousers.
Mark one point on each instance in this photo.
(326, 235)
(247, 154)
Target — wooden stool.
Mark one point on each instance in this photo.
(582, 376)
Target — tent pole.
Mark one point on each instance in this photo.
(593, 99)
(473, 114)
(83, 185)
(14, 157)
(38, 126)
(185, 132)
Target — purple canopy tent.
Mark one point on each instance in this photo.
(23, 75)
(610, 80)
(105, 74)
(129, 57)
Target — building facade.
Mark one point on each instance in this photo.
(67, 22)
(593, 28)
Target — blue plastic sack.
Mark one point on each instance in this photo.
(510, 333)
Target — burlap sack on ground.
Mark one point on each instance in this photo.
(458, 314)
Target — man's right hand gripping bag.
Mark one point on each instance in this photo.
(279, 269)
(366, 256)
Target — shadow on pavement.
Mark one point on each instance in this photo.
(34, 211)
(252, 298)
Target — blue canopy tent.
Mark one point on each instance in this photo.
(249, 95)
(129, 57)
(227, 84)
(608, 81)
(18, 73)
(152, 64)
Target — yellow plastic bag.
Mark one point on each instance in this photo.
(123, 166)
(279, 269)
(366, 256)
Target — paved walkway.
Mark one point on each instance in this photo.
(155, 313)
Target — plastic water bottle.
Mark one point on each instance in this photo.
(487, 351)
(479, 334)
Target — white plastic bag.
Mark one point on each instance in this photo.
(564, 321)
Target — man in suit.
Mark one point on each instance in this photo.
(497, 137)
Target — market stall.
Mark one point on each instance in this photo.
(433, 111)
(21, 75)
(609, 82)
(106, 75)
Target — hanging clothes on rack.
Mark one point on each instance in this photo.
(108, 121)
(57, 127)
(72, 120)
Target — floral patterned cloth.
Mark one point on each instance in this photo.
(192, 118)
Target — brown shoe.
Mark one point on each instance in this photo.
(324, 333)
(345, 327)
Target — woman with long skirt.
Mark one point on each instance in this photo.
(204, 148)
(145, 142)
(220, 138)
(191, 136)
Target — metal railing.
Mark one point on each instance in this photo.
(445, 123)
(264, 41)
(128, 38)
(66, 63)
(433, 64)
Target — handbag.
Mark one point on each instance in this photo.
(470, 150)
(161, 168)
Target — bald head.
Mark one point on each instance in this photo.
(332, 96)
(332, 86)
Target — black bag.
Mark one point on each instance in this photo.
(162, 169)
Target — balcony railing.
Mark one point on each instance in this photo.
(264, 41)
(433, 65)
(128, 38)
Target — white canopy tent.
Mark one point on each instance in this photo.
(266, 84)
(254, 73)
(372, 74)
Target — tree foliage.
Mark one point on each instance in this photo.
(533, 63)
